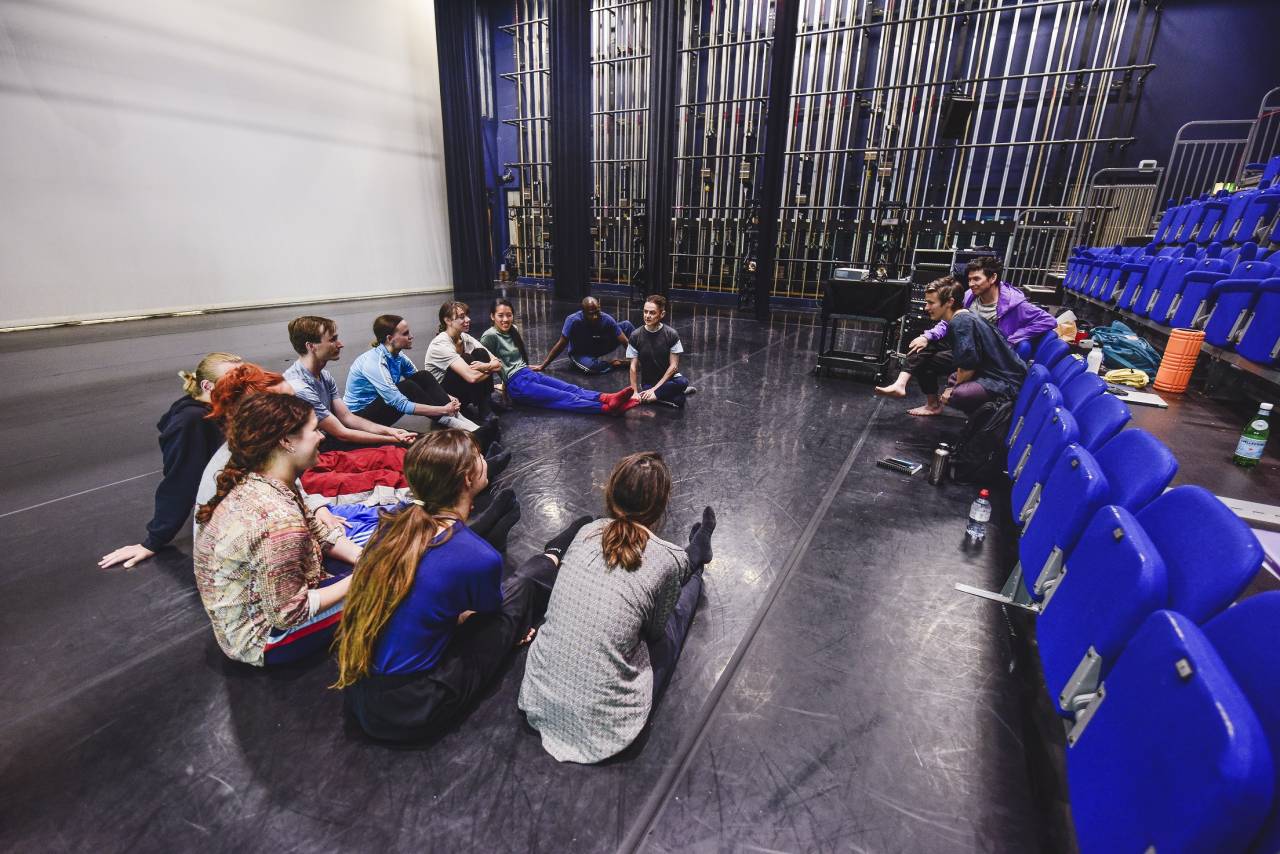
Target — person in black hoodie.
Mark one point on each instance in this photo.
(187, 441)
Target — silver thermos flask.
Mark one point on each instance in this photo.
(941, 462)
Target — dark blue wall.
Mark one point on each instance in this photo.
(1215, 60)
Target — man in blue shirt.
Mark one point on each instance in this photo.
(590, 335)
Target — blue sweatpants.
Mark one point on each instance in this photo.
(537, 389)
(594, 363)
(672, 391)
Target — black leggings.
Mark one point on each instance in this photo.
(417, 706)
(420, 387)
(930, 365)
(477, 393)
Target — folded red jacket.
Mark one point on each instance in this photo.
(345, 472)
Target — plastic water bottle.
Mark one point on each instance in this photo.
(1094, 360)
(979, 515)
(1254, 438)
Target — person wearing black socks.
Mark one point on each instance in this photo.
(616, 621)
(429, 620)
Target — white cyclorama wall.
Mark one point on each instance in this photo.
(164, 155)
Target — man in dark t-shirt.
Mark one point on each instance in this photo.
(591, 335)
(654, 350)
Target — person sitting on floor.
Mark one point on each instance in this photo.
(315, 340)
(259, 559)
(188, 438)
(428, 620)
(654, 350)
(461, 365)
(591, 335)
(1002, 305)
(617, 620)
(383, 384)
(524, 385)
(986, 367)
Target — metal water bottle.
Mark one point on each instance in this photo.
(941, 463)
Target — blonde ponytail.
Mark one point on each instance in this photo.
(206, 370)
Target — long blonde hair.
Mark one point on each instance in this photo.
(206, 370)
(636, 497)
(436, 468)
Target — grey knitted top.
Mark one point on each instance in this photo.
(588, 685)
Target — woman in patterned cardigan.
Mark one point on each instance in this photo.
(259, 561)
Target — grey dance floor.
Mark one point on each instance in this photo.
(835, 693)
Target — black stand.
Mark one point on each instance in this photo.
(877, 308)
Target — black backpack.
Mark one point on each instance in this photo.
(980, 453)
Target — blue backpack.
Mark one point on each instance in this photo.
(1123, 348)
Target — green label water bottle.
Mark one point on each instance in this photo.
(1254, 438)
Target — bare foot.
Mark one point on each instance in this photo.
(891, 391)
(925, 410)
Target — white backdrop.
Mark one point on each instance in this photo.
(161, 155)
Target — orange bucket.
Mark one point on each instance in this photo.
(1179, 360)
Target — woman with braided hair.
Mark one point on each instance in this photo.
(428, 619)
(617, 619)
(189, 436)
(259, 561)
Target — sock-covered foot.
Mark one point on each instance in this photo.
(613, 403)
(497, 536)
(500, 504)
(559, 544)
(498, 460)
(630, 404)
(699, 548)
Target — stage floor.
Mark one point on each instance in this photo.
(835, 693)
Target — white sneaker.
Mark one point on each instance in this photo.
(689, 391)
(458, 422)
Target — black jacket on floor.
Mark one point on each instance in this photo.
(187, 440)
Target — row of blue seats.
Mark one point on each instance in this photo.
(1171, 695)
(1224, 216)
(1232, 294)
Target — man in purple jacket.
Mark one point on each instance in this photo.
(999, 303)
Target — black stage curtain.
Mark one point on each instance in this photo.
(463, 146)
(664, 65)
(782, 56)
(569, 24)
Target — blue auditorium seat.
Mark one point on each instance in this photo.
(1193, 301)
(1139, 280)
(1042, 404)
(1081, 389)
(1066, 369)
(1195, 216)
(1180, 219)
(1211, 554)
(1112, 581)
(1179, 267)
(1073, 492)
(1171, 756)
(1215, 210)
(1037, 375)
(1261, 339)
(1216, 262)
(1138, 467)
(1166, 220)
(1260, 209)
(1094, 608)
(1101, 418)
(1058, 431)
(1051, 352)
(1244, 638)
(1232, 300)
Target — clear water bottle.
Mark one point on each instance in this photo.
(979, 516)
(1093, 362)
(1253, 438)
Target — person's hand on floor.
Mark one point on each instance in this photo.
(128, 555)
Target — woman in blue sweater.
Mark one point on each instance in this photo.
(428, 620)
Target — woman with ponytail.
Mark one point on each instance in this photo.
(524, 385)
(428, 620)
(617, 620)
(259, 558)
(188, 438)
